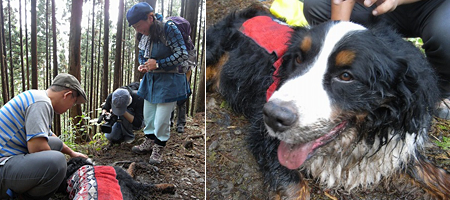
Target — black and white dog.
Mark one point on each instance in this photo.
(85, 181)
(347, 105)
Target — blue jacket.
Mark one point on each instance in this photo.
(163, 86)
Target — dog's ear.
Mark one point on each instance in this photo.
(414, 89)
(407, 83)
(75, 163)
(417, 92)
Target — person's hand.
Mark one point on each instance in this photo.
(143, 68)
(78, 154)
(148, 66)
(151, 64)
(383, 6)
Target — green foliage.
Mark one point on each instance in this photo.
(445, 144)
(442, 127)
(69, 135)
(224, 104)
(417, 42)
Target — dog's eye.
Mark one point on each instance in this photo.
(346, 76)
(298, 59)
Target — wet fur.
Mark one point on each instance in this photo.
(379, 124)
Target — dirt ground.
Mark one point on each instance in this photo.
(183, 165)
(232, 172)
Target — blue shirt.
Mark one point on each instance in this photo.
(26, 116)
(163, 87)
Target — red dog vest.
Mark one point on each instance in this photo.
(94, 182)
(273, 37)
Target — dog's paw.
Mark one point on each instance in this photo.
(294, 191)
(165, 188)
(132, 169)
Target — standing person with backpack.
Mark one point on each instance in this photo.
(185, 29)
(162, 52)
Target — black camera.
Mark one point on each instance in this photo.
(110, 119)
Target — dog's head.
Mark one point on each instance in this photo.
(72, 166)
(75, 163)
(340, 75)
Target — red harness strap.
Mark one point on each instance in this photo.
(271, 36)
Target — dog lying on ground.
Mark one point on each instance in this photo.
(343, 104)
(85, 181)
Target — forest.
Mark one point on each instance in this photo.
(91, 40)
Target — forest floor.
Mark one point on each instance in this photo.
(183, 165)
(232, 172)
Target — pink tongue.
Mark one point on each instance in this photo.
(293, 157)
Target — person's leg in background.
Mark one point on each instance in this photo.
(318, 11)
(425, 19)
(116, 133)
(181, 115)
(435, 34)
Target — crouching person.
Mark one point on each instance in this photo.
(32, 164)
(123, 111)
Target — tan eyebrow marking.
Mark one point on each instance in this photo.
(345, 58)
(306, 44)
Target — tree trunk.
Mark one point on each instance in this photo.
(152, 3)
(5, 94)
(122, 78)
(170, 8)
(91, 91)
(190, 14)
(11, 64)
(57, 119)
(97, 79)
(117, 59)
(162, 7)
(47, 47)
(26, 48)
(86, 56)
(105, 52)
(137, 74)
(200, 99)
(34, 75)
(21, 46)
(5, 65)
(75, 56)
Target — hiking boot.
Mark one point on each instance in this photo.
(180, 129)
(145, 147)
(156, 156)
(129, 140)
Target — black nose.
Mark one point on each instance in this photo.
(279, 116)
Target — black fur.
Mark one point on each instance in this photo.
(393, 87)
(244, 80)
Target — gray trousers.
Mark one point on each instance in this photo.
(35, 175)
(425, 19)
(121, 131)
(181, 113)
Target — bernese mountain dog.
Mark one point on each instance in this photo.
(84, 180)
(346, 105)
